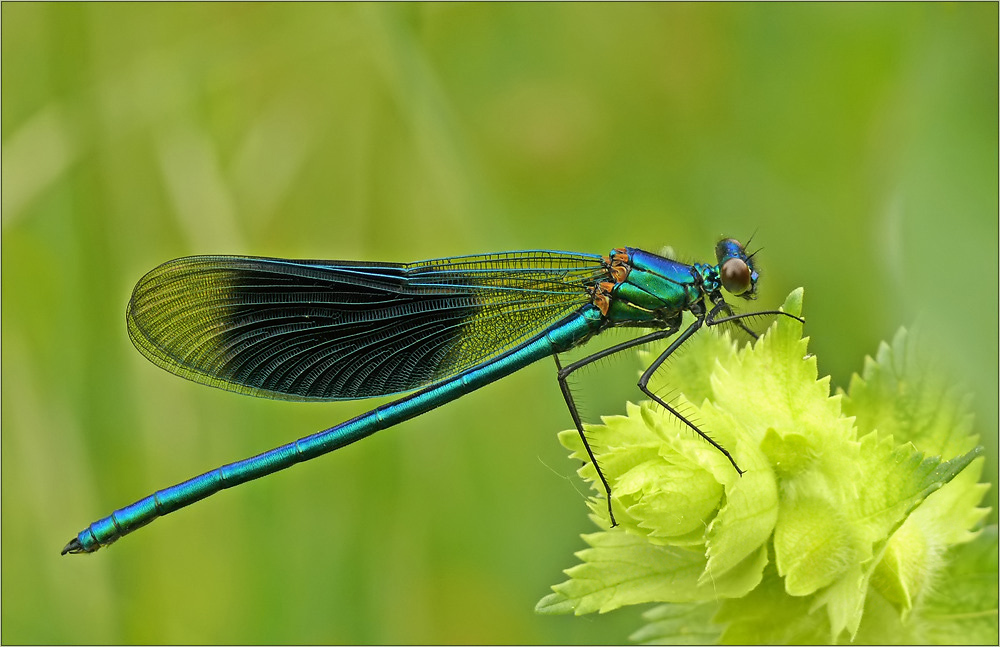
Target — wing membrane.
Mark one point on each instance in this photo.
(328, 330)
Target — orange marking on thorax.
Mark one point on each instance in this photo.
(601, 296)
(618, 268)
(618, 265)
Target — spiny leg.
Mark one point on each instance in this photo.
(644, 381)
(722, 306)
(564, 372)
(708, 320)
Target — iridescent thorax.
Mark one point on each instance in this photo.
(648, 290)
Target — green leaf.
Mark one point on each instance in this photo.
(961, 608)
(749, 513)
(660, 490)
(679, 624)
(897, 479)
(768, 615)
(910, 398)
(621, 568)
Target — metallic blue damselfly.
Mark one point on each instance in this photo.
(333, 330)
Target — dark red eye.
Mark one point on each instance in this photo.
(735, 276)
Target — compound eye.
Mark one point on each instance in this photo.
(735, 276)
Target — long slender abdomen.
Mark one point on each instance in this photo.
(558, 338)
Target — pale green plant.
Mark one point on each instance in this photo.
(857, 518)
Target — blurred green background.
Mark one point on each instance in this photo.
(858, 140)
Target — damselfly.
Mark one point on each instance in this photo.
(333, 330)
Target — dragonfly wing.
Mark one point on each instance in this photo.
(327, 330)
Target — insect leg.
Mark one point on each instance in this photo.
(723, 307)
(644, 380)
(564, 372)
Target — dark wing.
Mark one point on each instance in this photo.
(330, 330)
